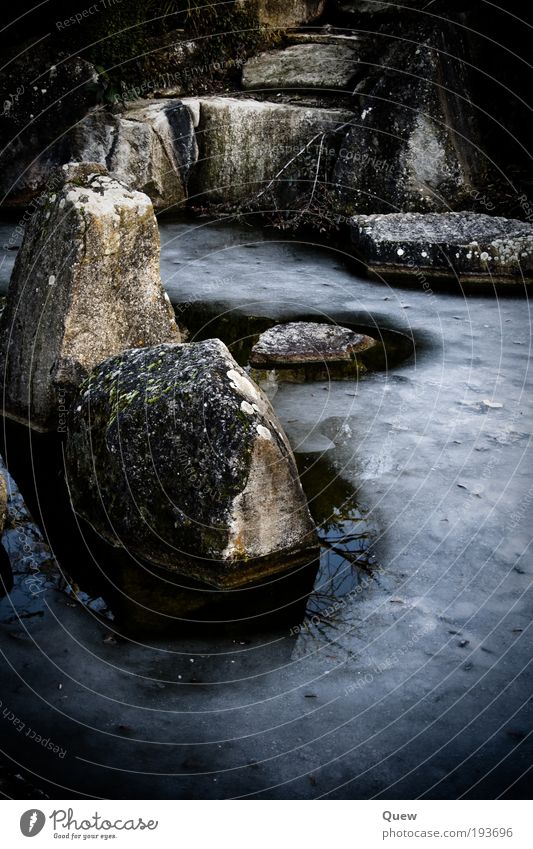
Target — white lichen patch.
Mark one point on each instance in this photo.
(264, 432)
(243, 385)
(247, 408)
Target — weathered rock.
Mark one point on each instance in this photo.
(352, 11)
(262, 153)
(303, 66)
(415, 145)
(85, 286)
(467, 246)
(175, 454)
(3, 500)
(150, 148)
(45, 93)
(301, 342)
(280, 14)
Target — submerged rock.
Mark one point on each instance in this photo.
(454, 245)
(322, 66)
(85, 285)
(302, 342)
(176, 455)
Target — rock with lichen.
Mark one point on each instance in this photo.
(302, 342)
(463, 246)
(86, 285)
(151, 148)
(174, 453)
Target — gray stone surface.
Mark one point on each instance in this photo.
(302, 342)
(252, 151)
(286, 13)
(3, 500)
(176, 454)
(323, 66)
(466, 245)
(415, 145)
(86, 285)
(150, 147)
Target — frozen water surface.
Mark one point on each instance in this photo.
(410, 673)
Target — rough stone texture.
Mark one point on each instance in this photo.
(44, 94)
(353, 10)
(448, 245)
(150, 148)
(280, 14)
(323, 66)
(85, 286)
(415, 145)
(174, 453)
(3, 500)
(307, 342)
(246, 148)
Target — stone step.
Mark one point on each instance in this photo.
(327, 66)
(319, 36)
(464, 246)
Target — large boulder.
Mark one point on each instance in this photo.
(266, 154)
(150, 147)
(464, 246)
(304, 66)
(176, 455)
(86, 285)
(415, 145)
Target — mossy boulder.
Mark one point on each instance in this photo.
(176, 455)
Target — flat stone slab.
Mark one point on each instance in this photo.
(452, 245)
(303, 342)
(322, 66)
